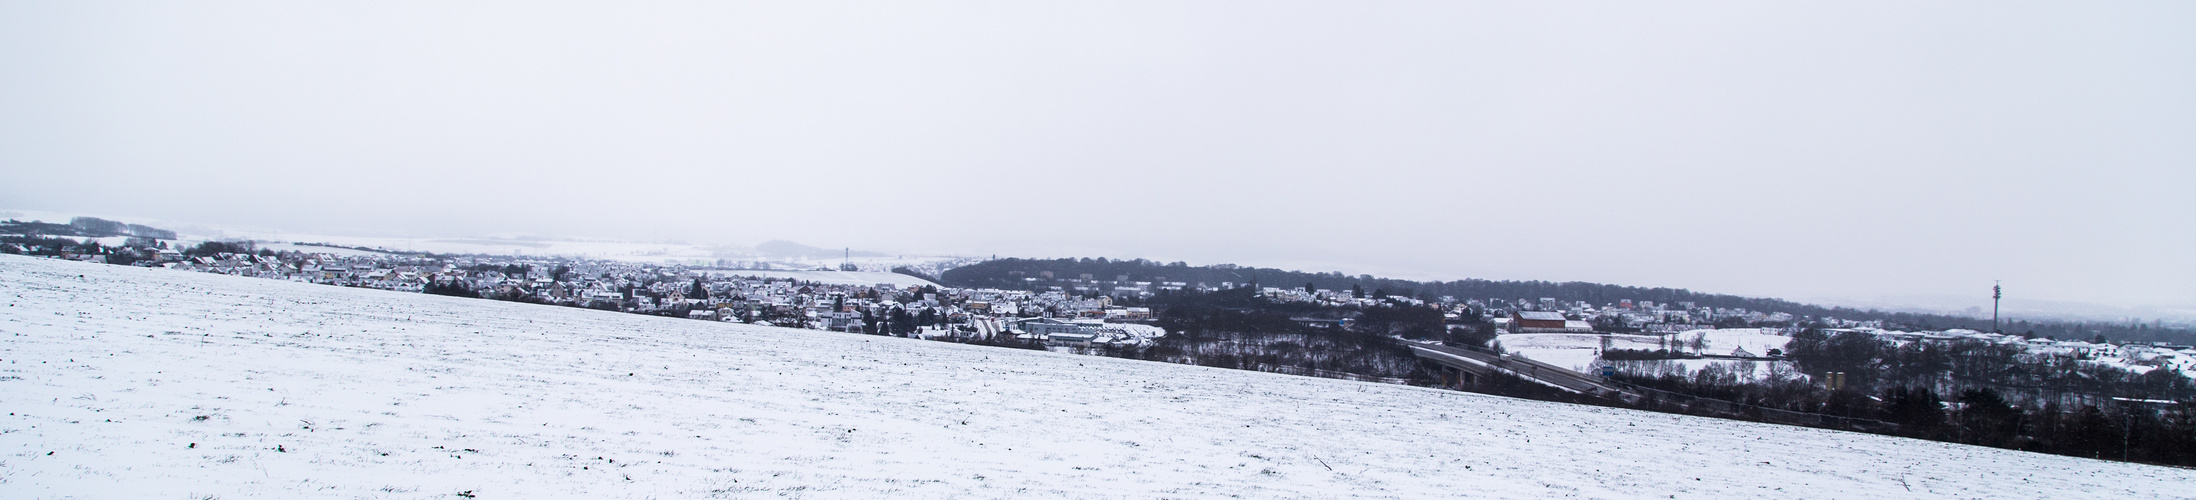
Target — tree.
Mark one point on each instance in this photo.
(1357, 290)
(451, 288)
(1477, 334)
(1414, 322)
(697, 291)
(2092, 432)
(1855, 353)
(93, 226)
(902, 323)
(1917, 410)
(1987, 419)
(1918, 363)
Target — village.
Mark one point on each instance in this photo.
(821, 299)
(1067, 312)
(1076, 312)
(1714, 361)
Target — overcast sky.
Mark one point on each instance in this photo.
(1791, 149)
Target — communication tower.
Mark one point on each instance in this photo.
(1997, 291)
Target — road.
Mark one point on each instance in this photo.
(1544, 373)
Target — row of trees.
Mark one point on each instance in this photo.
(1236, 329)
(91, 227)
(1963, 391)
(1871, 362)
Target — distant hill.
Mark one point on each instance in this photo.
(84, 227)
(1010, 273)
(782, 248)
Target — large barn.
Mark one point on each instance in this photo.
(1540, 322)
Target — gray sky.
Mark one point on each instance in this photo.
(1803, 150)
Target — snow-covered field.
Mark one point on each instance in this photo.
(1579, 350)
(124, 382)
(1571, 350)
(1725, 341)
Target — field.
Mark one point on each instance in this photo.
(125, 382)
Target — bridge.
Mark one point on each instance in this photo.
(1461, 367)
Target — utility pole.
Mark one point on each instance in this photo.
(1997, 291)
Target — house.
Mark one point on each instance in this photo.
(1045, 327)
(1080, 339)
(841, 321)
(1538, 322)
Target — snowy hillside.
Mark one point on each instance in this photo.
(124, 382)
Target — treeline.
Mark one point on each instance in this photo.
(1235, 329)
(136, 251)
(1010, 274)
(49, 239)
(1964, 391)
(84, 227)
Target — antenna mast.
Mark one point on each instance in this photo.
(1997, 291)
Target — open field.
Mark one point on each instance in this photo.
(124, 382)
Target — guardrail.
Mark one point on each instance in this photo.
(1539, 372)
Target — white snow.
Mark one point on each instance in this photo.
(1571, 350)
(1578, 351)
(1723, 341)
(326, 392)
